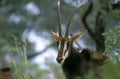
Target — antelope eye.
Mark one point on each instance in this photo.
(57, 43)
(68, 44)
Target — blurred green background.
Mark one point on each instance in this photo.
(26, 44)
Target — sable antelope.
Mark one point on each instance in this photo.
(75, 64)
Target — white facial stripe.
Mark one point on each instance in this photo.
(65, 47)
(63, 51)
(59, 45)
(66, 55)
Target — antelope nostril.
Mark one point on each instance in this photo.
(59, 59)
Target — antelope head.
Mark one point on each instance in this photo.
(64, 43)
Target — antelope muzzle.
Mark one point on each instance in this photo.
(59, 59)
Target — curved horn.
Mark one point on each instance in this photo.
(70, 19)
(59, 19)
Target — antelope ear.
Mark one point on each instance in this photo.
(76, 36)
(55, 35)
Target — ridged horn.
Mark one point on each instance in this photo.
(70, 19)
(59, 19)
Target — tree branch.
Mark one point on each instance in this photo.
(35, 54)
(99, 28)
(85, 15)
(38, 53)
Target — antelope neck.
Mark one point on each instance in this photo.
(72, 51)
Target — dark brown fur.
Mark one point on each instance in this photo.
(77, 64)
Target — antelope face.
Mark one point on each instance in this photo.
(63, 49)
(64, 43)
(63, 46)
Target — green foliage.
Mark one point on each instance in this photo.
(111, 71)
(112, 44)
(21, 67)
(57, 70)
